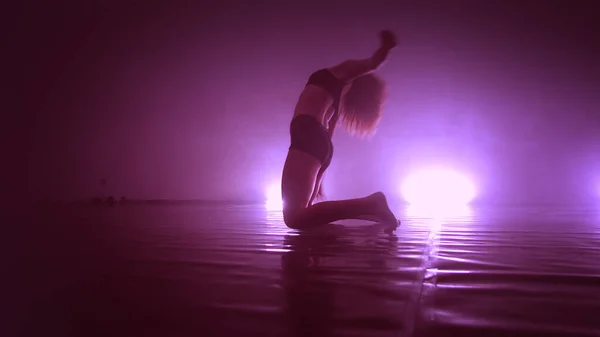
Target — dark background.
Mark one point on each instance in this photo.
(188, 99)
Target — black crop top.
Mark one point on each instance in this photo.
(324, 78)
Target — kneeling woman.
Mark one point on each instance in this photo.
(351, 93)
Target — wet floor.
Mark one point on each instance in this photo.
(193, 270)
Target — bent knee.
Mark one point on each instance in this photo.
(293, 217)
(290, 219)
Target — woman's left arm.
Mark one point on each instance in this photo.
(351, 69)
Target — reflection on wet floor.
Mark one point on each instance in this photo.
(225, 270)
(525, 272)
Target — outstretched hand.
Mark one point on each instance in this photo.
(388, 39)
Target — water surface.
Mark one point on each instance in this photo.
(216, 270)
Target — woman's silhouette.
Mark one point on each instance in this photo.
(351, 94)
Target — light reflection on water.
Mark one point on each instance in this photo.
(462, 271)
(457, 213)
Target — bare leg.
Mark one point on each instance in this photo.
(374, 205)
(317, 192)
(300, 180)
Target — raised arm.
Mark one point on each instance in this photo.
(351, 69)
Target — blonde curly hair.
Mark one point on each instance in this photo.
(362, 106)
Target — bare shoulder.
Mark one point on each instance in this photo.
(341, 70)
(338, 70)
(350, 69)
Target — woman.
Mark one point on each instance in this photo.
(349, 91)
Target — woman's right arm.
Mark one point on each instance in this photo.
(351, 69)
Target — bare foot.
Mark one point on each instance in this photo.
(382, 211)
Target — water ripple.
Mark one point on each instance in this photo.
(224, 270)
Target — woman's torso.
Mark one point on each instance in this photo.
(320, 96)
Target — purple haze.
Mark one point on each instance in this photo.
(184, 100)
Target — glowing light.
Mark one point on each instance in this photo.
(273, 201)
(437, 188)
(442, 213)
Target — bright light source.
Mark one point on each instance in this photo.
(273, 200)
(442, 213)
(437, 188)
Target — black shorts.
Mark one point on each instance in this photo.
(309, 136)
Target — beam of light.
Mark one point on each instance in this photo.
(437, 188)
(273, 200)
